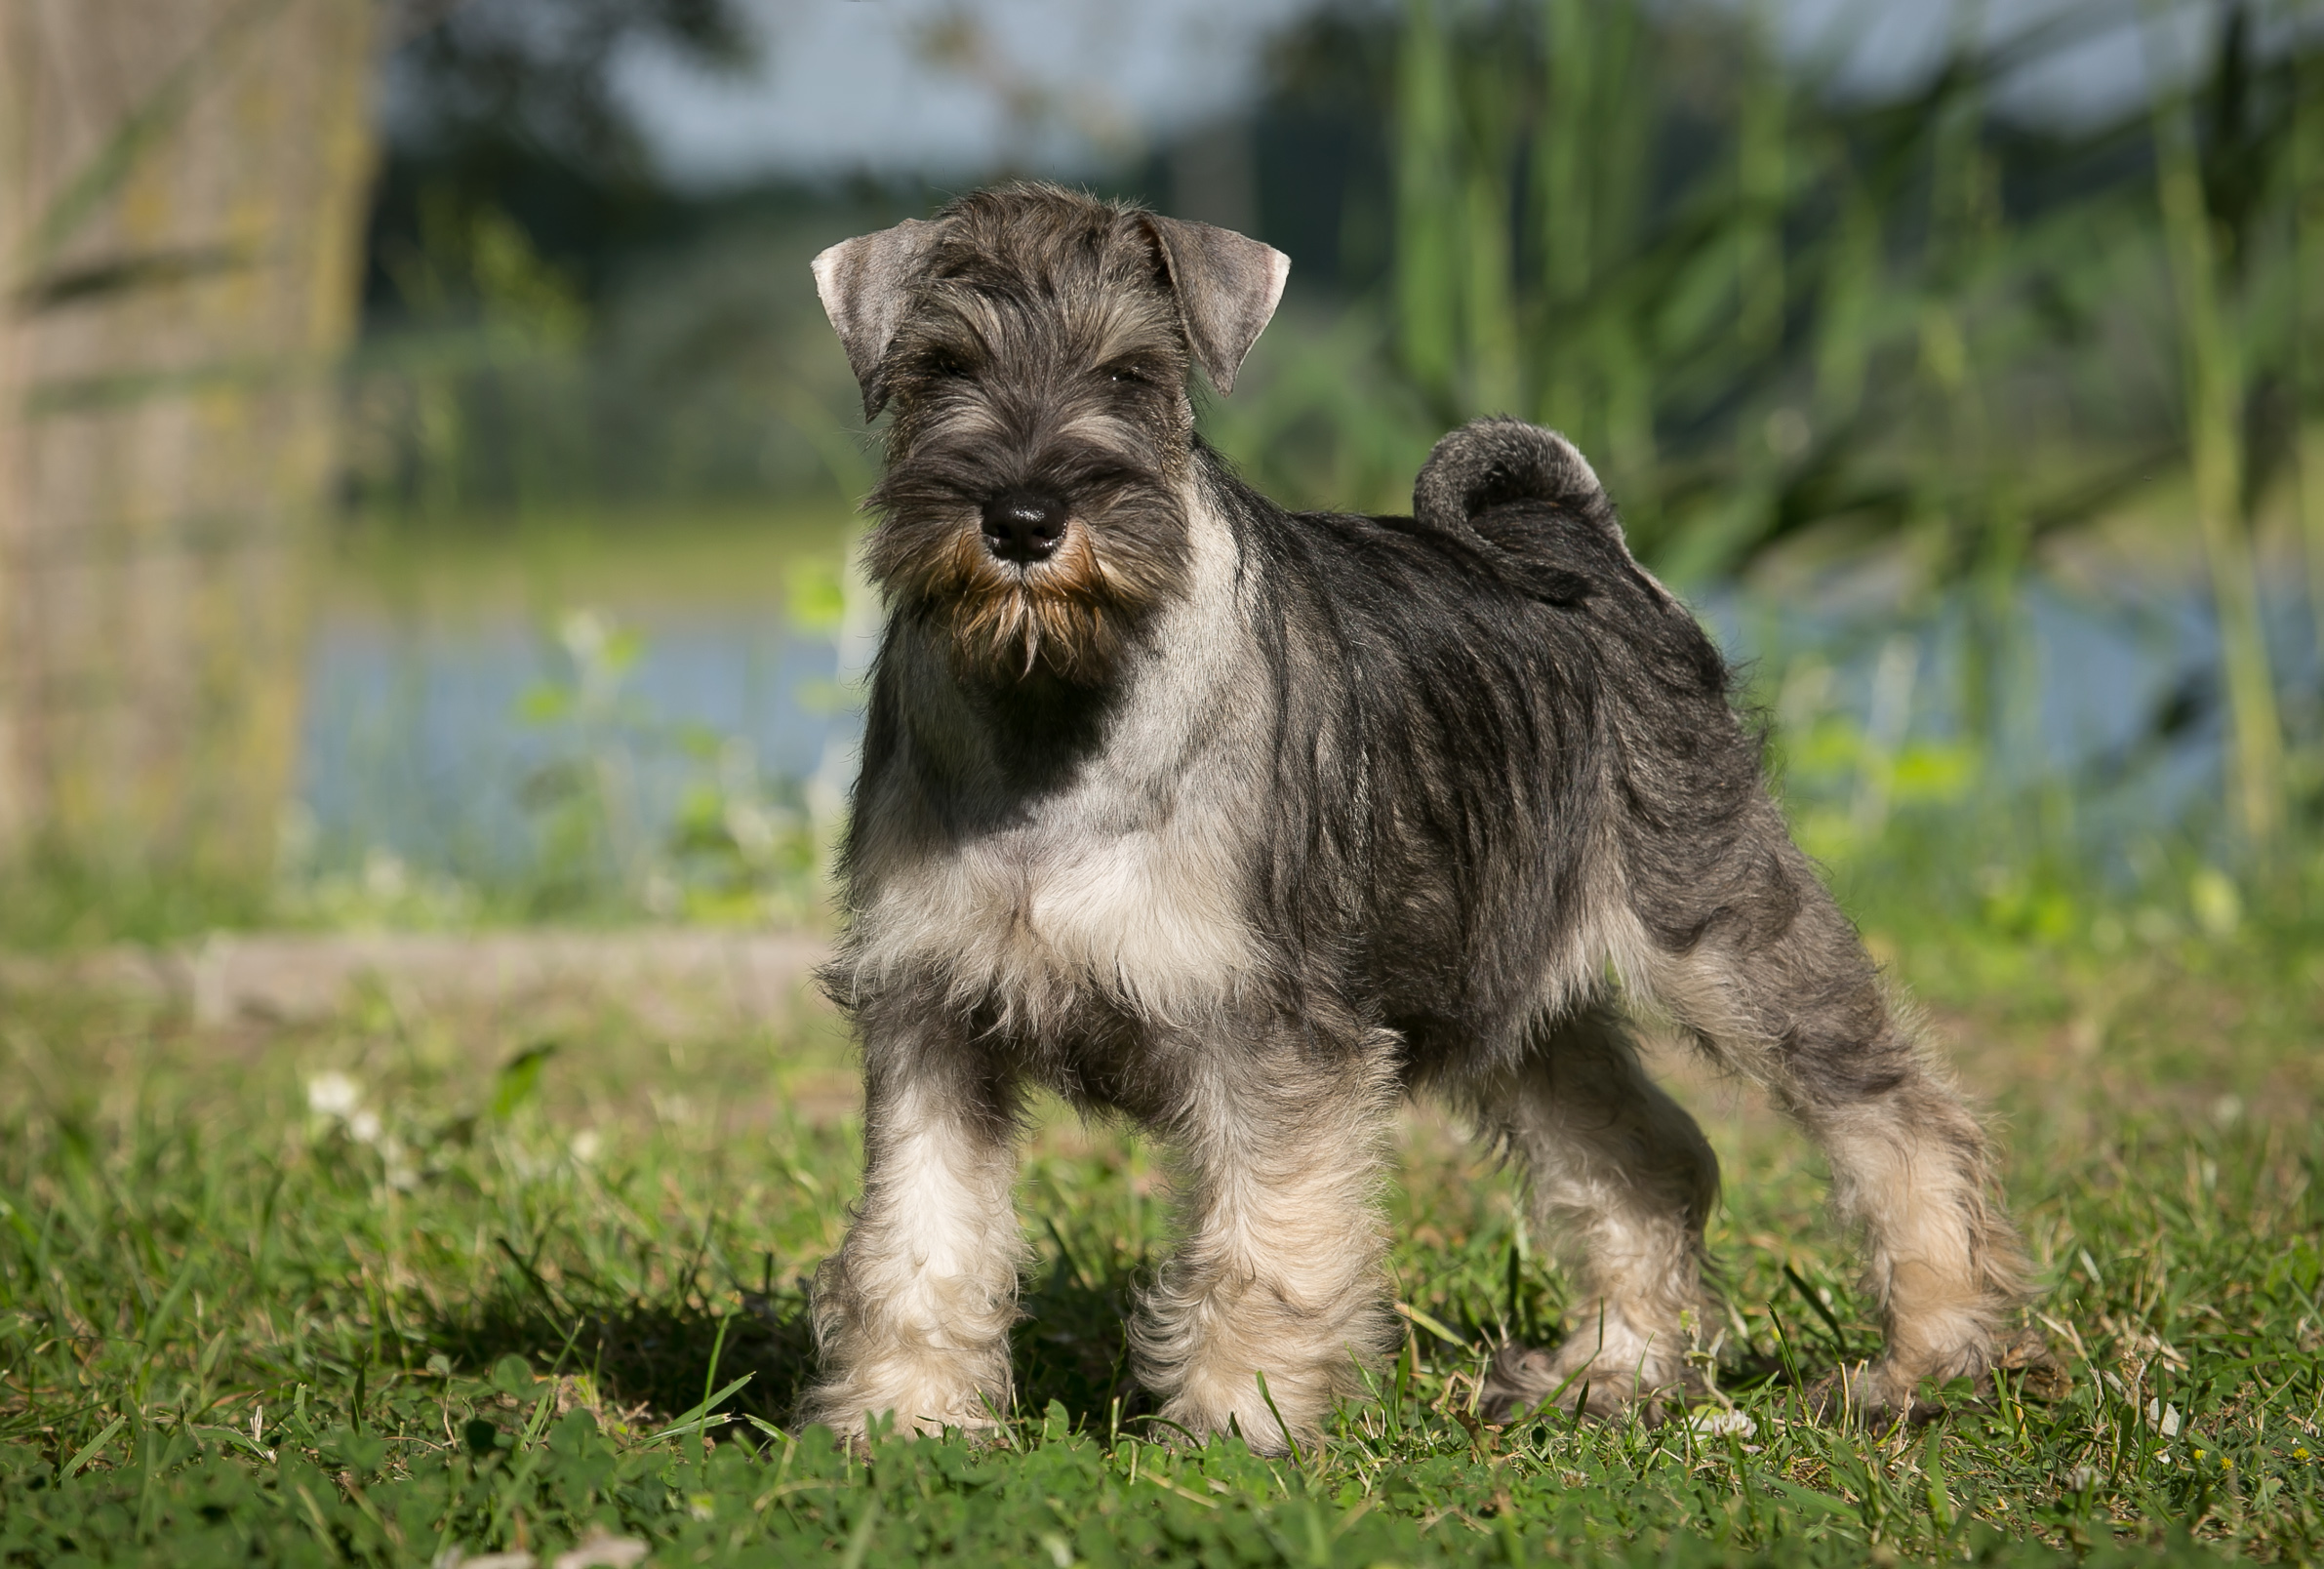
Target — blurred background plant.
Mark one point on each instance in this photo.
(1962, 369)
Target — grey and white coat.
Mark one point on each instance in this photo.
(1244, 824)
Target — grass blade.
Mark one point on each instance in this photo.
(89, 1451)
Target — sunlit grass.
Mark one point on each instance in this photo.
(373, 1291)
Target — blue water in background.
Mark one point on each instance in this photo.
(413, 742)
(2105, 669)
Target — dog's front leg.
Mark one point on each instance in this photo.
(912, 1313)
(1279, 1273)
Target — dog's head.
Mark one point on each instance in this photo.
(1034, 345)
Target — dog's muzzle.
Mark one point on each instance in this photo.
(1024, 526)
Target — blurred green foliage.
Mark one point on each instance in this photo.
(740, 848)
(1795, 326)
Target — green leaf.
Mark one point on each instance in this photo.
(519, 1079)
(512, 1375)
(89, 1451)
(544, 704)
(814, 596)
(705, 1414)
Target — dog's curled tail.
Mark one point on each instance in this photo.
(1490, 463)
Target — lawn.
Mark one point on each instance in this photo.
(409, 1286)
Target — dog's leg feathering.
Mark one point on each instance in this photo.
(1798, 1005)
(1279, 1273)
(1622, 1179)
(912, 1313)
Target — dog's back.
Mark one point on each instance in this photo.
(1532, 712)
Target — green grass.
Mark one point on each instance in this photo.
(236, 1328)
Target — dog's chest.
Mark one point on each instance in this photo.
(1146, 908)
(1131, 884)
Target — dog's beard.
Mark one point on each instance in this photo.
(1010, 621)
(1070, 615)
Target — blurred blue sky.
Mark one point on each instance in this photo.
(954, 88)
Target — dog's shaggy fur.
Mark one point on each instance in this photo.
(1244, 822)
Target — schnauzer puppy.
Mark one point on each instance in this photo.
(1243, 824)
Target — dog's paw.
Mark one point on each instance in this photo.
(853, 1414)
(1874, 1396)
(2040, 1375)
(1187, 1424)
(1879, 1395)
(1525, 1378)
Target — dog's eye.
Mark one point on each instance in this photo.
(1128, 373)
(947, 366)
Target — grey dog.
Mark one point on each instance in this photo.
(1244, 824)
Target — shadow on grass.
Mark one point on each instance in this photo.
(654, 1356)
(1070, 1346)
(652, 1359)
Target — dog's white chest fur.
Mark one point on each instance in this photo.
(1151, 915)
(1131, 881)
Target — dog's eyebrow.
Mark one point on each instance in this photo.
(1116, 330)
(963, 320)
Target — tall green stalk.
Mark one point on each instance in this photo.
(1492, 312)
(1590, 145)
(1427, 263)
(1562, 207)
(1760, 147)
(1623, 112)
(2000, 692)
(1851, 279)
(2213, 392)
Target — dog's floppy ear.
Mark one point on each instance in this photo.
(864, 284)
(1227, 286)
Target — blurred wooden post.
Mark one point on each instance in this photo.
(15, 107)
(181, 199)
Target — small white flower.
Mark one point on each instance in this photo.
(385, 877)
(364, 1124)
(585, 1144)
(585, 635)
(663, 895)
(1720, 1423)
(332, 1095)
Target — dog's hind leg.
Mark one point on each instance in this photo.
(1780, 988)
(1622, 1181)
(912, 1313)
(1279, 1270)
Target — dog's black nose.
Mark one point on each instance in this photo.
(1024, 525)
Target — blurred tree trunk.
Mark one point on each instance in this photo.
(15, 108)
(181, 199)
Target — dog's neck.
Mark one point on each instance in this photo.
(1040, 728)
(1033, 733)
